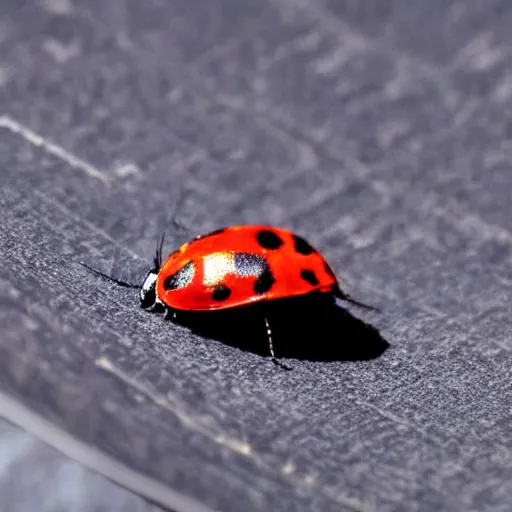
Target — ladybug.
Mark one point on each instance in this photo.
(234, 267)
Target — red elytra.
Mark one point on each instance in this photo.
(236, 266)
(241, 265)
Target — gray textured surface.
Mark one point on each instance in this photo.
(378, 130)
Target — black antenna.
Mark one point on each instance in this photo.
(177, 206)
(158, 259)
(110, 278)
(176, 223)
(159, 249)
(342, 295)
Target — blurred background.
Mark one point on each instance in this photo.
(380, 130)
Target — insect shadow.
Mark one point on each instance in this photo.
(310, 328)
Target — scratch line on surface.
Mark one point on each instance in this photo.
(336, 25)
(400, 421)
(463, 218)
(77, 449)
(186, 419)
(454, 211)
(236, 445)
(33, 138)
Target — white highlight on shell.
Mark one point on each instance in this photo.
(216, 267)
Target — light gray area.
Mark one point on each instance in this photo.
(379, 130)
(34, 476)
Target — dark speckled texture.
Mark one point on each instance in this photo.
(378, 130)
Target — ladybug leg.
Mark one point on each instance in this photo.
(170, 314)
(271, 348)
(344, 296)
(270, 342)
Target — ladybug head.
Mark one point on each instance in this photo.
(148, 296)
(147, 290)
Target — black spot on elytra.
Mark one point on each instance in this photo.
(264, 282)
(329, 270)
(268, 239)
(216, 232)
(221, 292)
(169, 283)
(181, 278)
(302, 246)
(309, 276)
